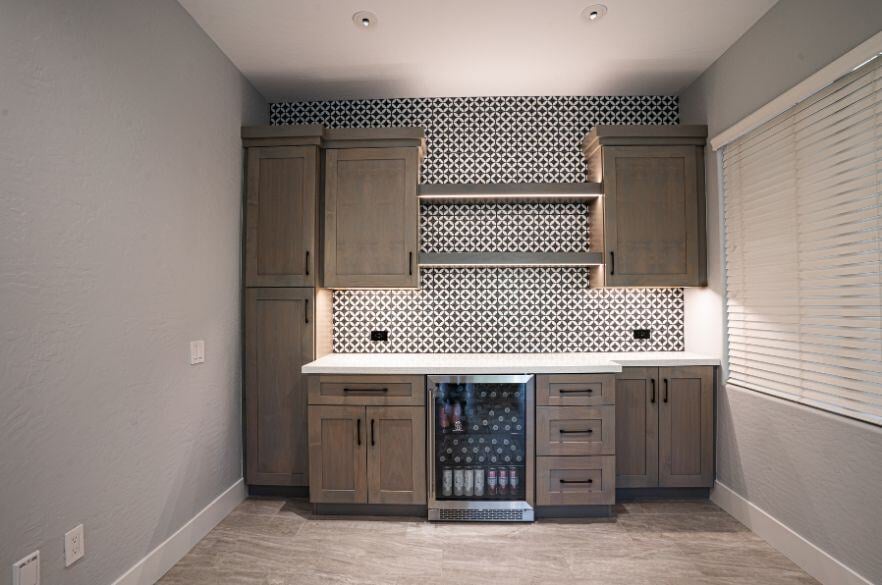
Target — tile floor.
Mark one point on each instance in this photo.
(279, 542)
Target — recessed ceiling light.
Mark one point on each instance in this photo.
(364, 20)
(594, 12)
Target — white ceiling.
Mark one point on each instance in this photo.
(310, 49)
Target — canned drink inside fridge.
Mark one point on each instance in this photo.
(469, 483)
(513, 479)
(479, 482)
(502, 479)
(458, 482)
(447, 482)
(491, 481)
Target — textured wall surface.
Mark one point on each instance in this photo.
(817, 473)
(120, 199)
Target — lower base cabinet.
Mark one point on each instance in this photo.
(575, 481)
(665, 427)
(367, 452)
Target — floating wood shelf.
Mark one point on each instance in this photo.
(512, 259)
(519, 192)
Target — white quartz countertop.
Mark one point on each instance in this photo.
(499, 363)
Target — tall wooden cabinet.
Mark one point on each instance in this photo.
(665, 427)
(371, 214)
(650, 222)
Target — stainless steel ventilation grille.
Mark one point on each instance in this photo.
(486, 515)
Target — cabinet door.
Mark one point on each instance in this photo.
(637, 402)
(686, 427)
(653, 215)
(371, 218)
(337, 455)
(396, 454)
(280, 216)
(278, 341)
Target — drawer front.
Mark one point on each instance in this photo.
(575, 430)
(575, 389)
(575, 481)
(368, 390)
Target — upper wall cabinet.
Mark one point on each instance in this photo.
(281, 215)
(371, 218)
(650, 221)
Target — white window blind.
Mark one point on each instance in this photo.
(803, 216)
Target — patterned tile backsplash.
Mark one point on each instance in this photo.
(539, 309)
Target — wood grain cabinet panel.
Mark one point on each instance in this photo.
(278, 341)
(281, 216)
(575, 389)
(393, 390)
(575, 481)
(338, 455)
(686, 430)
(371, 217)
(396, 455)
(637, 427)
(571, 430)
(650, 222)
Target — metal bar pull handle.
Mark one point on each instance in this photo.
(612, 262)
(307, 263)
(565, 431)
(358, 431)
(373, 442)
(666, 390)
(576, 390)
(306, 311)
(365, 389)
(410, 263)
(576, 481)
(652, 399)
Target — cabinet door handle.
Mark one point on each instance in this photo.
(575, 481)
(576, 391)
(666, 390)
(564, 431)
(410, 263)
(358, 431)
(652, 399)
(307, 263)
(365, 389)
(372, 433)
(612, 262)
(306, 311)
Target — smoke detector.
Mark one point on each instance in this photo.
(594, 13)
(364, 20)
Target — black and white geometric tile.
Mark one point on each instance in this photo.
(488, 310)
(504, 227)
(491, 139)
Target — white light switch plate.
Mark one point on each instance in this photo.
(197, 352)
(74, 546)
(27, 570)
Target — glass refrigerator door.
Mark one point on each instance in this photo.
(480, 441)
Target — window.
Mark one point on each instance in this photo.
(803, 223)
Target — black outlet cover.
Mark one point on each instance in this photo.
(379, 336)
(641, 333)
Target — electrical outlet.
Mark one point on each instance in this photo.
(641, 333)
(379, 336)
(197, 352)
(27, 570)
(74, 546)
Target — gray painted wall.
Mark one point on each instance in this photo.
(120, 199)
(819, 474)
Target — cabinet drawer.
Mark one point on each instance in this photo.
(575, 481)
(575, 430)
(368, 390)
(575, 389)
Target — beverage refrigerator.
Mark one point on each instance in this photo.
(480, 448)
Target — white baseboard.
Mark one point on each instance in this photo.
(813, 560)
(152, 567)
